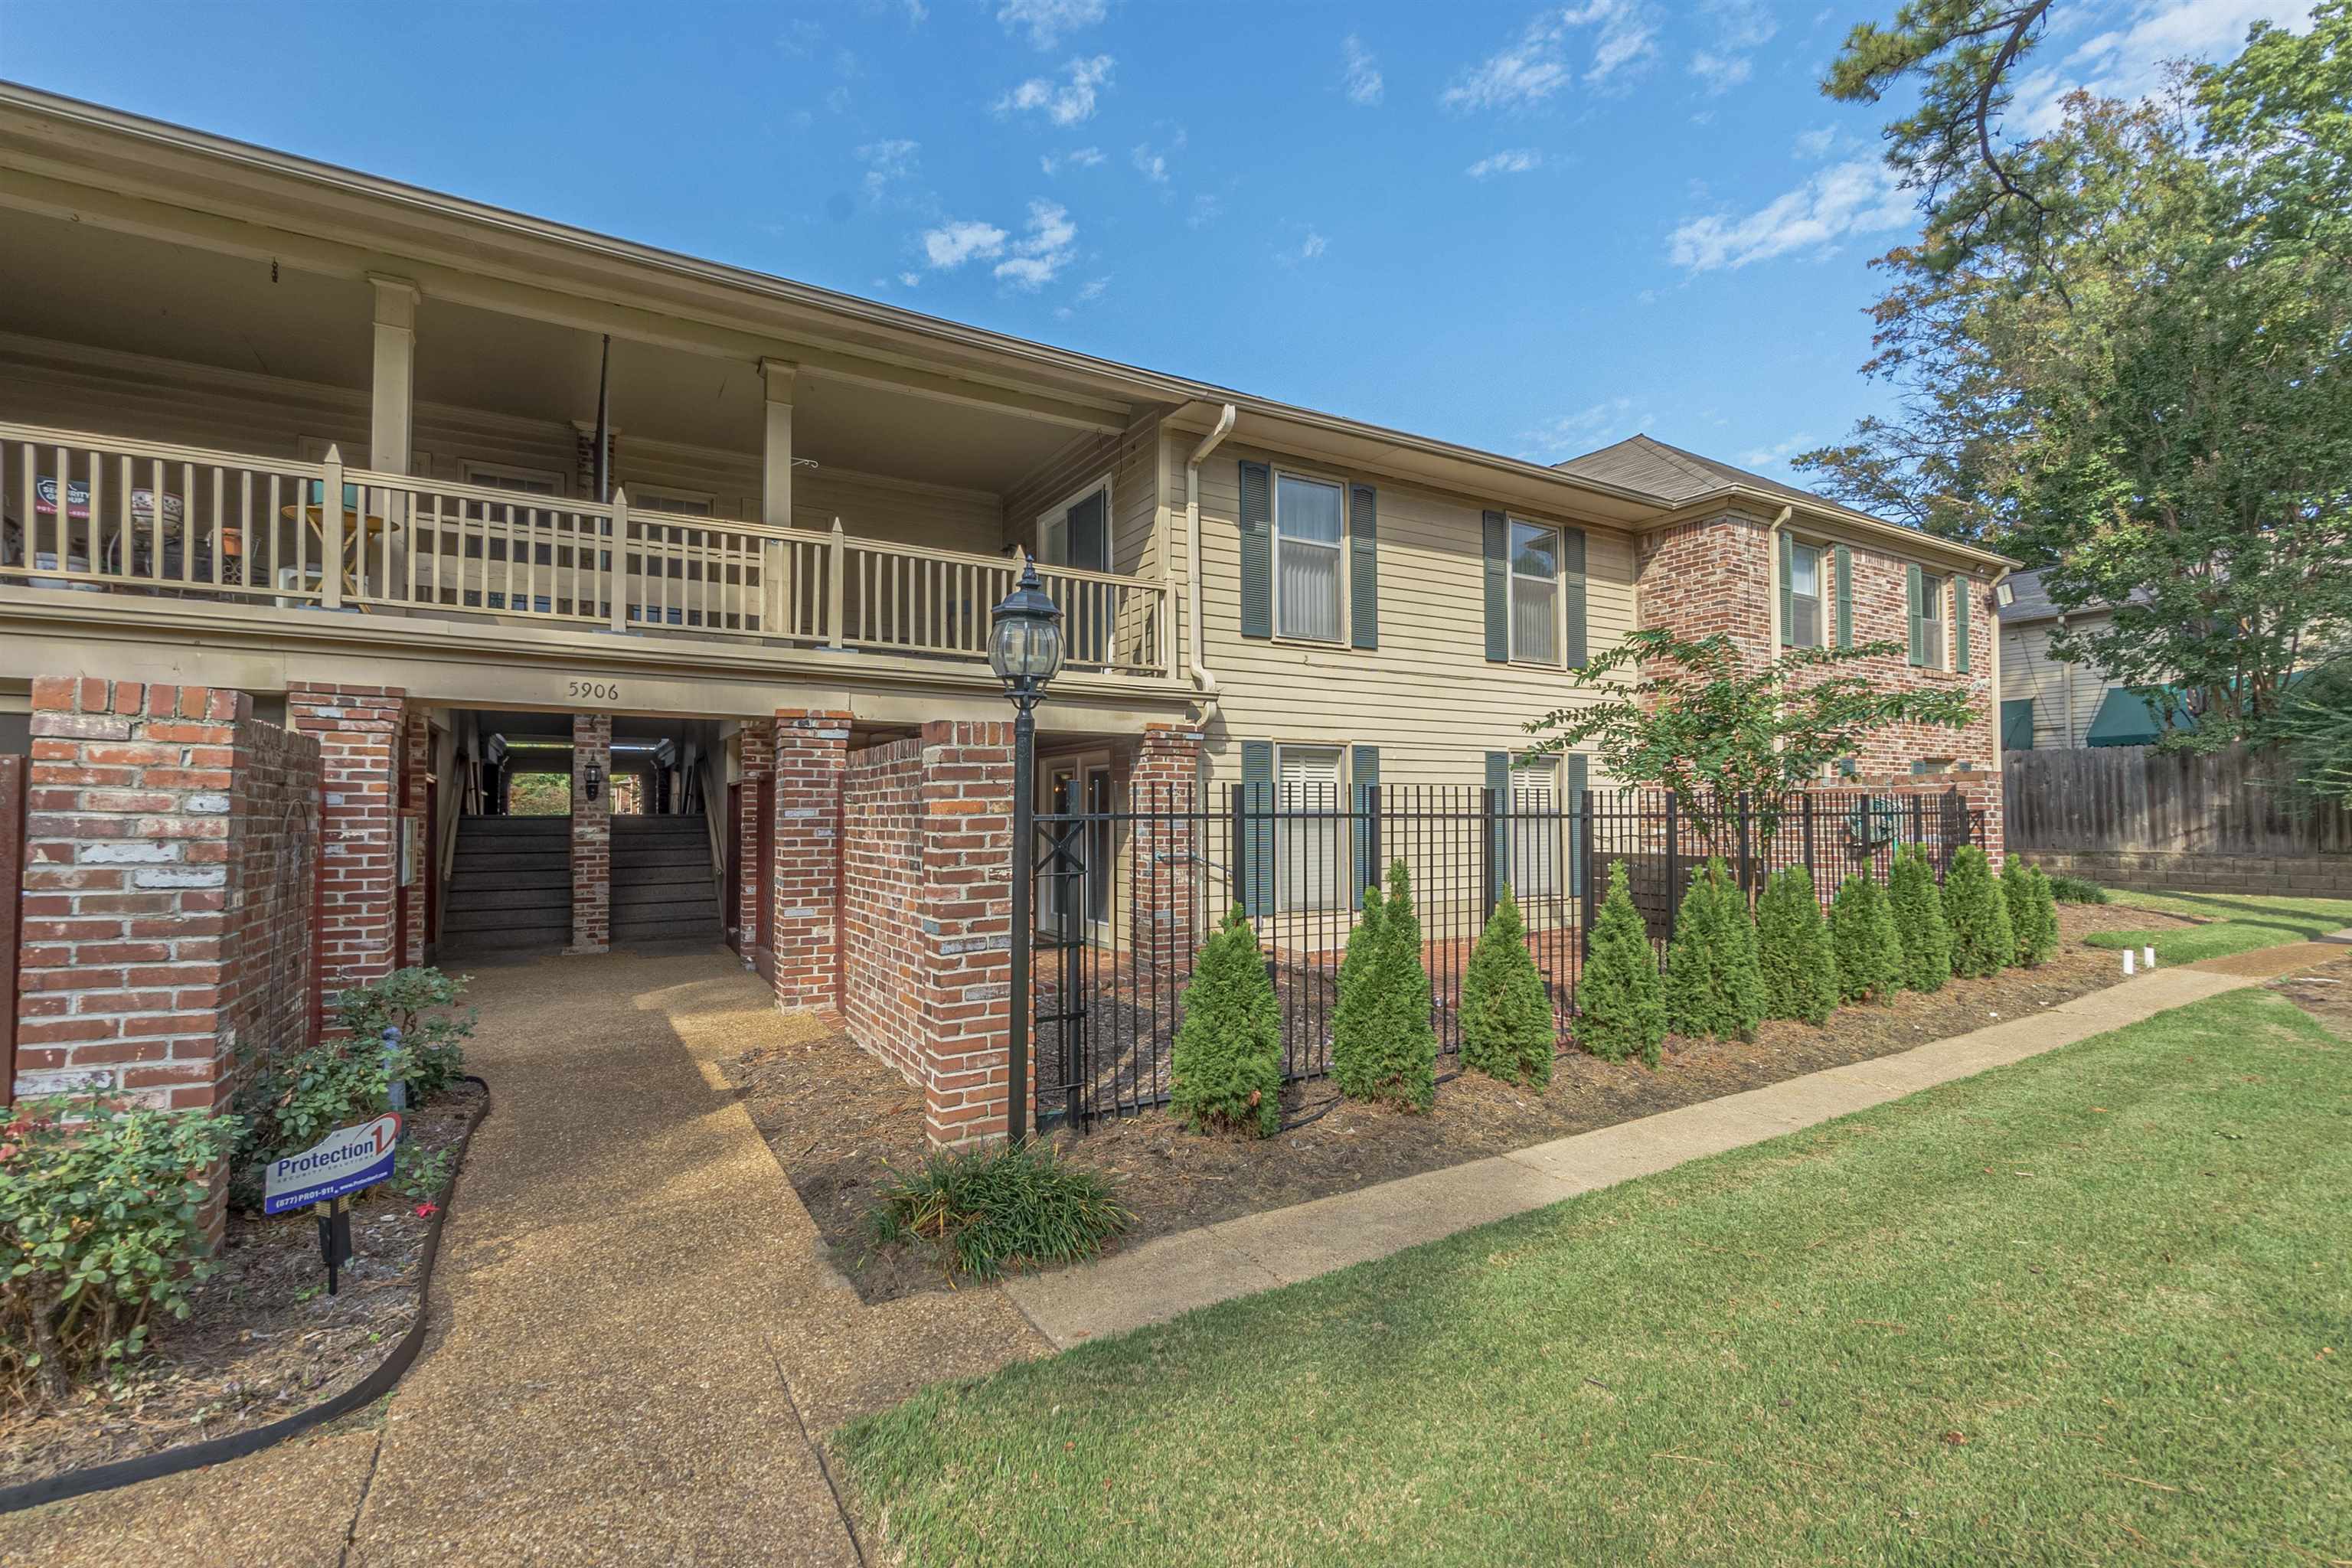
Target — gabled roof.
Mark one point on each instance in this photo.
(2033, 602)
(1647, 463)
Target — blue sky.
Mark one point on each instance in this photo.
(1535, 230)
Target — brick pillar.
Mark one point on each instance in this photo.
(358, 729)
(756, 757)
(1163, 791)
(964, 916)
(811, 757)
(415, 762)
(591, 835)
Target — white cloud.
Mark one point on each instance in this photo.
(1777, 454)
(1815, 144)
(1647, 297)
(1151, 165)
(1361, 75)
(887, 162)
(1535, 66)
(1047, 20)
(1080, 158)
(1093, 288)
(1511, 161)
(1067, 105)
(1738, 27)
(953, 244)
(1309, 248)
(2128, 61)
(1044, 251)
(912, 279)
(1720, 73)
(799, 39)
(1087, 157)
(1852, 198)
(1206, 209)
(1587, 429)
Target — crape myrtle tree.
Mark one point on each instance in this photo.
(2119, 346)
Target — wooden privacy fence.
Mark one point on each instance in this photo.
(2142, 801)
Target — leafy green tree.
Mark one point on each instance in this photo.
(1388, 1052)
(1792, 946)
(2317, 731)
(1918, 910)
(1713, 984)
(1862, 935)
(1506, 1023)
(2032, 913)
(1621, 1009)
(1977, 911)
(1226, 1064)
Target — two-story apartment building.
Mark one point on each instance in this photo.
(328, 501)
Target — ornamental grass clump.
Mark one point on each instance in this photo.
(992, 1209)
(2032, 913)
(1226, 1063)
(1621, 1008)
(102, 1233)
(2075, 890)
(1862, 939)
(1793, 949)
(1506, 1023)
(1387, 1049)
(1713, 984)
(1919, 920)
(1983, 940)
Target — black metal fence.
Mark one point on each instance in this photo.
(1125, 896)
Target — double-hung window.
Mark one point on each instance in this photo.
(1931, 621)
(1805, 619)
(1310, 525)
(1534, 807)
(1311, 839)
(1535, 593)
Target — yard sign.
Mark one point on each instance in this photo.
(342, 1162)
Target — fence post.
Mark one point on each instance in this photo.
(1805, 812)
(1673, 863)
(1486, 867)
(1589, 909)
(1747, 849)
(1375, 864)
(1919, 821)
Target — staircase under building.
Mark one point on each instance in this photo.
(510, 885)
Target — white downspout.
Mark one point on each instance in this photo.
(1206, 682)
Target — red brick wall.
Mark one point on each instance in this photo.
(755, 757)
(591, 835)
(811, 752)
(276, 836)
(1698, 578)
(1163, 778)
(358, 729)
(881, 895)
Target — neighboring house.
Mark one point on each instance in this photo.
(2048, 703)
(777, 625)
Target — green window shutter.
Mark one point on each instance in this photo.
(1363, 775)
(1960, 625)
(1498, 779)
(1363, 567)
(1578, 774)
(1573, 592)
(1258, 549)
(1257, 803)
(1499, 588)
(1845, 597)
(1917, 587)
(1787, 552)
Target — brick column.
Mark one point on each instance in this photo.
(415, 762)
(811, 757)
(755, 758)
(358, 729)
(964, 916)
(1162, 791)
(591, 835)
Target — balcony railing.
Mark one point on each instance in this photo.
(104, 514)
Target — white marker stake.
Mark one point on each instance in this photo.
(2127, 963)
(2148, 958)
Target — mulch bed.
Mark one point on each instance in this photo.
(839, 1120)
(265, 1340)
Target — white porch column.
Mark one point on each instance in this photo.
(776, 494)
(392, 413)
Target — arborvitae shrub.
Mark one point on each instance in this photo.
(1621, 1008)
(2032, 913)
(1793, 949)
(1359, 982)
(1862, 935)
(1226, 1064)
(1506, 1025)
(1919, 920)
(1983, 940)
(1713, 984)
(1389, 1051)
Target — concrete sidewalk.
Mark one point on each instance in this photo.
(1177, 1273)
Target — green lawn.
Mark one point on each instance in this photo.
(2244, 921)
(2089, 1309)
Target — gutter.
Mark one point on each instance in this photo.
(1201, 678)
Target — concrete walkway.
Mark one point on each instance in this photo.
(1177, 1273)
(636, 1329)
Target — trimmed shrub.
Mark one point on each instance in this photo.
(1351, 1014)
(1713, 984)
(989, 1209)
(1918, 910)
(1983, 940)
(101, 1230)
(1506, 1023)
(2075, 890)
(1388, 1053)
(1793, 949)
(1226, 1063)
(1868, 950)
(2032, 913)
(1621, 1008)
(421, 1002)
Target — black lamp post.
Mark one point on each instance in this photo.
(1024, 648)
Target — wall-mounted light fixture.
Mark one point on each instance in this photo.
(592, 779)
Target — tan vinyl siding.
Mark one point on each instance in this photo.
(2028, 671)
(1130, 460)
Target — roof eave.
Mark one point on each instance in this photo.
(1910, 541)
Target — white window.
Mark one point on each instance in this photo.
(1309, 521)
(1536, 827)
(1535, 592)
(499, 477)
(1308, 849)
(1076, 532)
(1931, 621)
(1804, 629)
